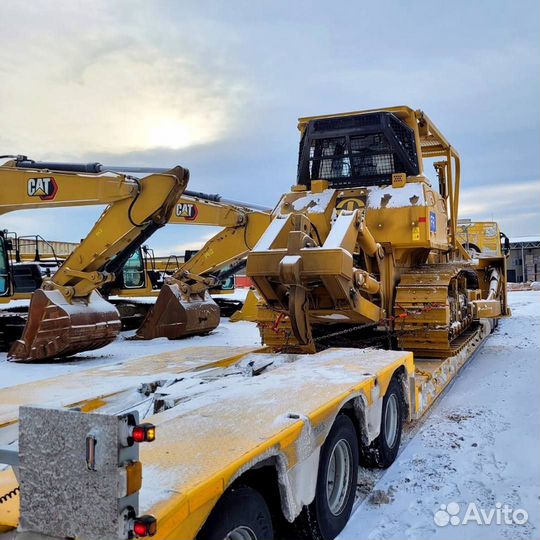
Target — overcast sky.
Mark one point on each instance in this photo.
(218, 86)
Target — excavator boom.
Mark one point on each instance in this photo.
(68, 315)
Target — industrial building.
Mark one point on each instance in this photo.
(524, 259)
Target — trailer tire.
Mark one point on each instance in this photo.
(382, 452)
(242, 513)
(329, 512)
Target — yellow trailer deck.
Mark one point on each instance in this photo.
(229, 416)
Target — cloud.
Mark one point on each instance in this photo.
(515, 206)
(198, 239)
(101, 85)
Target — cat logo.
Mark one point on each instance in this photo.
(349, 204)
(187, 211)
(45, 188)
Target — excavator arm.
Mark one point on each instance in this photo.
(184, 305)
(67, 315)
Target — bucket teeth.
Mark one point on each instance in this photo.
(176, 315)
(57, 328)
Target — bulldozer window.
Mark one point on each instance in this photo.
(328, 158)
(133, 272)
(4, 268)
(370, 157)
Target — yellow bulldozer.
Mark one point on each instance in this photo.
(364, 249)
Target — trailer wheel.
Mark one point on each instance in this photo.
(241, 514)
(383, 450)
(329, 512)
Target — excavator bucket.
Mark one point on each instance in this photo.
(176, 315)
(57, 328)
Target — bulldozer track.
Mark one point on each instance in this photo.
(432, 311)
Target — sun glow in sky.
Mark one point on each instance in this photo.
(170, 133)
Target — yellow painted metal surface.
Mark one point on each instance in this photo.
(204, 444)
(93, 388)
(9, 509)
(482, 237)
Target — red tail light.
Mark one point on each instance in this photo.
(143, 433)
(144, 526)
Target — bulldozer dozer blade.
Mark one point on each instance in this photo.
(175, 315)
(56, 328)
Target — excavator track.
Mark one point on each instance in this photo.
(432, 312)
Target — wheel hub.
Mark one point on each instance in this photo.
(339, 477)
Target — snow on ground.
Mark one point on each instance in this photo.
(479, 444)
(125, 349)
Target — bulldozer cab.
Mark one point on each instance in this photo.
(379, 148)
(356, 150)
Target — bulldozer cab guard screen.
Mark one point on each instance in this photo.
(357, 150)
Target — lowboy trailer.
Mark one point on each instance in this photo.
(247, 444)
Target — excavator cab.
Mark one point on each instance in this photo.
(4, 266)
(133, 275)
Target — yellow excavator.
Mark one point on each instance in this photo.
(364, 249)
(67, 314)
(184, 306)
(142, 276)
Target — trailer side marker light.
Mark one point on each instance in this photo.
(144, 526)
(133, 477)
(144, 433)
